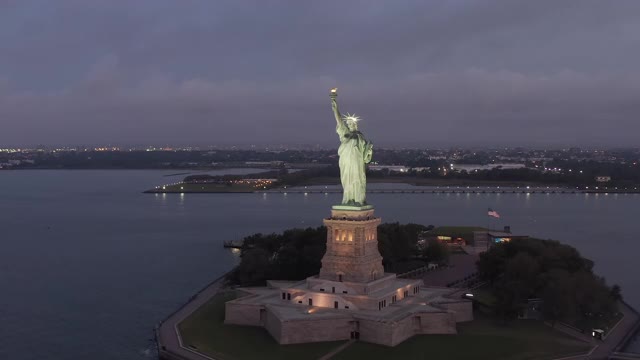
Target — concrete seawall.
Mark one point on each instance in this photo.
(168, 339)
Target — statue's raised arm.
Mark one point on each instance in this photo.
(334, 105)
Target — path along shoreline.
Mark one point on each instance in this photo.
(168, 339)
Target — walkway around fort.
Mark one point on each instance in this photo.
(606, 349)
(170, 346)
(627, 325)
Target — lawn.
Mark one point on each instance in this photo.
(205, 330)
(479, 339)
(484, 296)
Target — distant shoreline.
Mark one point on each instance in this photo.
(418, 190)
(418, 186)
(185, 170)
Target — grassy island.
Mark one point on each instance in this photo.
(513, 272)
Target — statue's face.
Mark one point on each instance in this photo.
(352, 125)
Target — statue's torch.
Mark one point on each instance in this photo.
(333, 93)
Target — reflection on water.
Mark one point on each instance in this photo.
(95, 247)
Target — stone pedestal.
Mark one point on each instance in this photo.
(352, 297)
(352, 246)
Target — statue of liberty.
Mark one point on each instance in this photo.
(354, 152)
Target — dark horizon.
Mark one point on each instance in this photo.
(439, 73)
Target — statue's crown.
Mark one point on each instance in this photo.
(351, 117)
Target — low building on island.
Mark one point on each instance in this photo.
(495, 236)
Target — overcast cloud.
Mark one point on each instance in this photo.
(427, 73)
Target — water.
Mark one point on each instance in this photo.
(89, 264)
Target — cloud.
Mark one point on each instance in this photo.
(475, 106)
(422, 73)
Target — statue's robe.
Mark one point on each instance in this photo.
(354, 151)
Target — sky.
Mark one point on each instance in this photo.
(422, 73)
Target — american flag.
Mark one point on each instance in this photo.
(493, 213)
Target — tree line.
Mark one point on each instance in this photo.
(550, 271)
(296, 254)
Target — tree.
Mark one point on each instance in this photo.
(253, 268)
(436, 252)
(557, 296)
(491, 263)
(616, 292)
(296, 253)
(508, 299)
(556, 273)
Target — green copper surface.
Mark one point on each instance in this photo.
(354, 152)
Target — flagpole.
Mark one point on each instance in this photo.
(488, 227)
(488, 220)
